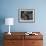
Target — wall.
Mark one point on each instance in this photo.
(9, 8)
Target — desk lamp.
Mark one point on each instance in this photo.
(9, 21)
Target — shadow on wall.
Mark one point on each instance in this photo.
(2, 21)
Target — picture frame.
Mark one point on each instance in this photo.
(26, 15)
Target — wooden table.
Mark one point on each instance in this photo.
(20, 39)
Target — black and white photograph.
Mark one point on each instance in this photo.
(26, 15)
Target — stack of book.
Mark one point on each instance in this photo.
(30, 33)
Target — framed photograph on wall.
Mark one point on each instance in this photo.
(26, 15)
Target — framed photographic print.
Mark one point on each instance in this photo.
(26, 15)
